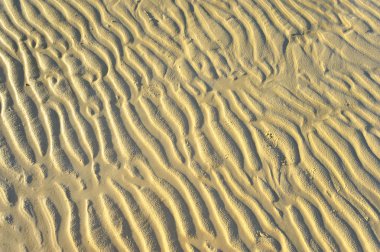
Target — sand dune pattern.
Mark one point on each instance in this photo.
(178, 125)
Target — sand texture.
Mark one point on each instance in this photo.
(189, 125)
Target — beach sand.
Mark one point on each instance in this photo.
(189, 125)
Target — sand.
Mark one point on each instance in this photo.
(189, 125)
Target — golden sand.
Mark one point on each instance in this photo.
(189, 125)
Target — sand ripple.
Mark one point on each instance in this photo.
(176, 125)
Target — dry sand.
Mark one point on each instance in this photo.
(189, 125)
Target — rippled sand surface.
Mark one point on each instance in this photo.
(189, 125)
